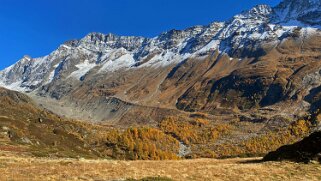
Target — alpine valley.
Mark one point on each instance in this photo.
(243, 87)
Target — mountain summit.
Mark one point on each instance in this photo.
(258, 58)
(104, 53)
(298, 13)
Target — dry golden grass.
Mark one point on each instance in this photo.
(13, 167)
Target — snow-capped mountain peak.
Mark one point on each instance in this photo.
(298, 12)
(259, 11)
(99, 53)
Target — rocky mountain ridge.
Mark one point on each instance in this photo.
(254, 61)
(246, 31)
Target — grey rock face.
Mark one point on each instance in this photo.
(113, 41)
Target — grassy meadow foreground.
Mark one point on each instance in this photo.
(13, 167)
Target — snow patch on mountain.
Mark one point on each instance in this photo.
(52, 74)
(83, 68)
(124, 61)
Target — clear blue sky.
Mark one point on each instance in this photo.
(37, 27)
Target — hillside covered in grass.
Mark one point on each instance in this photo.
(27, 128)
